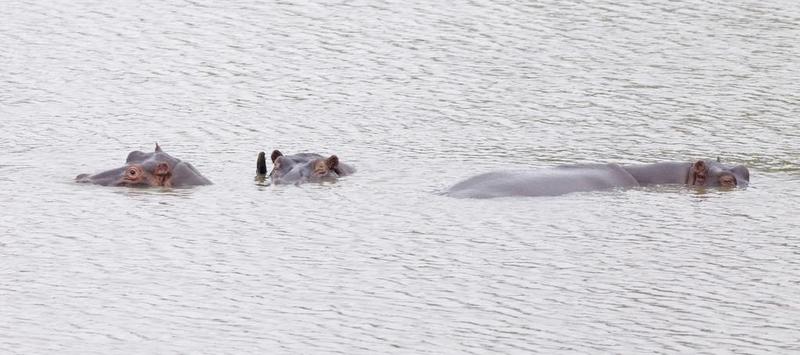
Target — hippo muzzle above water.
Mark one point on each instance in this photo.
(156, 169)
(591, 177)
(300, 168)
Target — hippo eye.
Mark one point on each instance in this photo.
(132, 172)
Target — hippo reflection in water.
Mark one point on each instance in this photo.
(300, 168)
(590, 177)
(148, 170)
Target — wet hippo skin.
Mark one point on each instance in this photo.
(590, 177)
(544, 182)
(156, 169)
(700, 173)
(301, 167)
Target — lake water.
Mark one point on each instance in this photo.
(416, 95)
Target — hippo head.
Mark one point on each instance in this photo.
(715, 174)
(156, 169)
(299, 168)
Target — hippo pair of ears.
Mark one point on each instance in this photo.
(332, 162)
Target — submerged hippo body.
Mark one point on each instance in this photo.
(590, 177)
(544, 182)
(300, 168)
(156, 169)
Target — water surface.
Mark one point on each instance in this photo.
(416, 95)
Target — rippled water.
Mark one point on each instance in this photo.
(416, 95)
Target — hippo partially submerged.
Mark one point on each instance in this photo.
(590, 177)
(156, 169)
(300, 168)
(708, 173)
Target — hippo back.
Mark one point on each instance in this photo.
(544, 182)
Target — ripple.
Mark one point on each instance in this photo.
(416, 96)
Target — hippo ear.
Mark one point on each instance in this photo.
(332, 162)
(158, 148)
(261, 164)
(275, 155)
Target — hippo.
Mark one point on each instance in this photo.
(591, 177)
(148, 170)
(301, 167)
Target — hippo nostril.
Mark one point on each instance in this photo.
(701, 180)
(727, 182)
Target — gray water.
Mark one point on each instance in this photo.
(416, 95)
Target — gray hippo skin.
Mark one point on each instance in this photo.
(589, 177)
(156, 169)
(544, 182)
(700, 173)
(300, 168)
